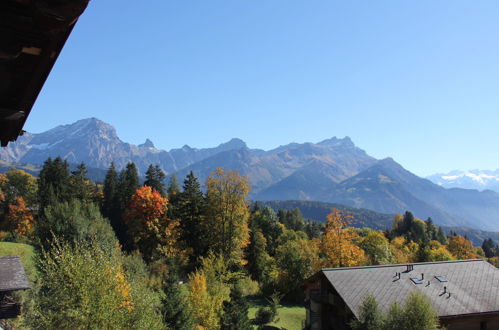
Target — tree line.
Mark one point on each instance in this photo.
(183, 256)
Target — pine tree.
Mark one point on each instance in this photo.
(53, 183)
(176, 310)
(191, 212)
(128, 183)
(489, 248)
(80, 184)
(235, 316)
(173, 193)
(110, 192)
(154, 179)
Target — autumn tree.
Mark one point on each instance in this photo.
(20, 219)
(404, 251)
(18, 183)
(228, 213)
(209, 288)
(434, 251)
(337, 243)
(151, 231)
(206, 309)
(461, 248)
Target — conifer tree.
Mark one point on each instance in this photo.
(53, 183)
(235, 316)
(128, 184)
(110, 192)
(191, 212)
(176, 310)
(173, 193)
(154, 179)
(173, 186)
(80, 184)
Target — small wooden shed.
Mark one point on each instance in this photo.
(12, 278)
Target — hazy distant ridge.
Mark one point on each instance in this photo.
(333, 170)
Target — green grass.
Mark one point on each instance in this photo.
(290, 316)
(24, 251)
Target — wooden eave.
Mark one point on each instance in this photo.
(32, 35)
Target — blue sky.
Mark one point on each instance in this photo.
(414, 80)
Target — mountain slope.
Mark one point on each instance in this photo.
(334, 170)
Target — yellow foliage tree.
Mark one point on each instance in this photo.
(206, 309)
(228, 214)
(337, 243)
(461, 248)
(438, 252)
(404, 251)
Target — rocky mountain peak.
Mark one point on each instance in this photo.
(233, 144)
(147, 144)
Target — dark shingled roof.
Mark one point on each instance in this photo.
(473, 285)
(12, 276)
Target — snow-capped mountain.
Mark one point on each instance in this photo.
(473, 179)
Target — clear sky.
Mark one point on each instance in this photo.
(414, 80)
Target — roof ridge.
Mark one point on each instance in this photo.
(405, 264)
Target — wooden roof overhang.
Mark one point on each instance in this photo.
(32, 35)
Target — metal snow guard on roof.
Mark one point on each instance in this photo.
(473, 286)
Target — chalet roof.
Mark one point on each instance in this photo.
(12, 276)
(32, 34)
(473, 285)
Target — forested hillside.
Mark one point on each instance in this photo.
(151, 256)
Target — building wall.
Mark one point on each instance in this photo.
(472, 323)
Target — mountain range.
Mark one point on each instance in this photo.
(473, 179)
(333, 170)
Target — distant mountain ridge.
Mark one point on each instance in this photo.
(472, 179)
(333, 170)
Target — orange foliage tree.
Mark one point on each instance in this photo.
(461, 248)
(337, 243)
(148, 226)
(19, 218)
